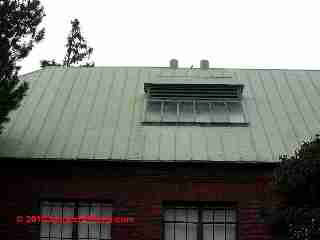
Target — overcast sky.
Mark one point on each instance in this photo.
(229, 33)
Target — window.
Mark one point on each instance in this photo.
(212, 104)
(199, 223)
(83, 230)
(194, 112)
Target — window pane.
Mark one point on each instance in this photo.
(220, 112)
(94, 228)
(105, 230)
(153, 111)
(236, 114)
(219, 215)
(56, 228)
(207, 231)
(169, 231)
(68, 211)
(231, 215)
(186, 112)
(192, 215)
(231, 232)
(219, 231)
(45, 228)
(180, 232)
(203, 113)
(207, 215)
(169, 215)
(192, 231)
(181, 214)
(170, 112)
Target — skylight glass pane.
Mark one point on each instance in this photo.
(186, 112)
(220, 112)
(236, 113)
(203, 113)
(170, 112)
(153, 111)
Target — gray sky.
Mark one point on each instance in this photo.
(229, 33)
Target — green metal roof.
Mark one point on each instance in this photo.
(96, 113)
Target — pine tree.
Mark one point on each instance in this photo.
(76, 49)
(19, 20)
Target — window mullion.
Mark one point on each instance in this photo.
(194, 110)
(75, 225)
(227, 111)
(178, 111)
(200, 227)
(162, 110)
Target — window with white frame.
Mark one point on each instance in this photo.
(199, 223)
(72, 230)
(194, 104)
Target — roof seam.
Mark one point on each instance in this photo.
(119, 112)
(273, 114)
(296, 103)
(259, 116)
(284, 107)
(76, 113)
(90, 111)
(314, 111)
(35, 108)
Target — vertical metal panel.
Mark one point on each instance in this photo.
(53, 118)
(63, 131)
(40, 112)
(120, 143)
(73, 146)
(111, 118)
(99, 107)
(300, 99)
(183, 143)
(266, 119)
(259, 143)
(274, 97)
(135, 137)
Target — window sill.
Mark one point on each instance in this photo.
(201, 124)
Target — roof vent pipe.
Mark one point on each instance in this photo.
(204, 64)
(174, 63)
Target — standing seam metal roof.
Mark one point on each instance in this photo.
(96, 113)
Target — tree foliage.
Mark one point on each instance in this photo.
(77, 49)
(297, 179)
(19, 20)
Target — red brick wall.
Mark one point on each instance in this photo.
(144, 194)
